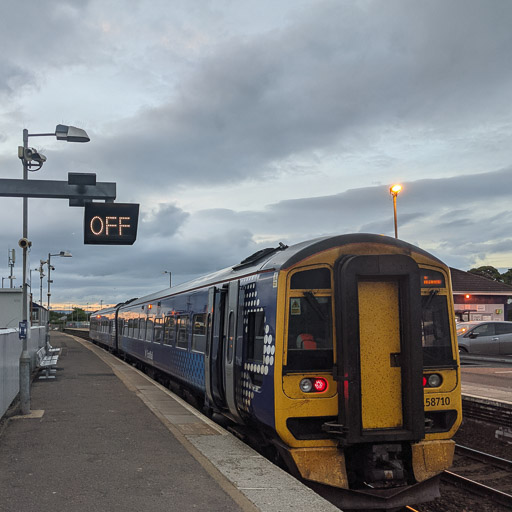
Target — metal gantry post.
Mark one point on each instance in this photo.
(25, 358)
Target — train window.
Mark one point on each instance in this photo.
(435, 326)
(125, 327)
(135, 333)
(182, 331)
(255, 343)
(208, 333)
(158, 330)
(255, 337)
(311, 279)
(142, 328)
(149, 329)
(231, 336)
(199, 332)
(169, 330)
(310, 333)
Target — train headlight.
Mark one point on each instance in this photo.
(434, 380)
(314, 385)
(306, 385)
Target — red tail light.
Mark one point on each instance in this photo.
(313, 385)
(320, 385)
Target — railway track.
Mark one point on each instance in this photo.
(480, 473)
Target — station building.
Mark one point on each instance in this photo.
(477, 298)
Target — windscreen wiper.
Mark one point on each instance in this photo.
(313, 302)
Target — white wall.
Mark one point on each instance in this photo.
(11, 300)
(10, 351)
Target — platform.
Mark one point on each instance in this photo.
(488, 381)
(103, 436)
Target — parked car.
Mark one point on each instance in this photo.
(489, 338)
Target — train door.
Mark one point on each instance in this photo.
(230, 337)
(214, 354)
(379, 353)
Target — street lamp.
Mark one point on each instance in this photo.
(170, 276)
(33, 161)
(62, 254)
(394, 190)
(41, 275)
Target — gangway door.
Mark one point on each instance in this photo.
(379, 349)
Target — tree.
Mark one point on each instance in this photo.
(507, 276)
(488, 272)
(77, 315)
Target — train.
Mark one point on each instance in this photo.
(338, 355)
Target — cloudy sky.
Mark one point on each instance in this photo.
(240, 124)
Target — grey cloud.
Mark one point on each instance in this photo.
(323, 83)
(164, 220)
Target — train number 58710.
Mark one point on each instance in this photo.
(436, 401)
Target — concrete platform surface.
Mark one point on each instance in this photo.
(103, 436)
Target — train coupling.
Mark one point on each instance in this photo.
(378, 466)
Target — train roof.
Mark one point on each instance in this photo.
(278, 258)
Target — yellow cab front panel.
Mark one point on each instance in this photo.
(362, 325)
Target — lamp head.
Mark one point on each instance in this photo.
(71, 133)
(394, 190)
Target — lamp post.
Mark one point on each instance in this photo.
(170, 277)
(41, 275)
(394, 190)
(62, 254)
(33, 161)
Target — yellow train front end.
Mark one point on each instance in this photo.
(367, 374)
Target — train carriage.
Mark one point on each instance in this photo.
(339, 352)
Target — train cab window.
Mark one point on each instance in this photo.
(199, 332)
(149, 329)
(310, 345)
(182, 331)
(169, 330)
(435, 326)
(317, 278)
(158, 330)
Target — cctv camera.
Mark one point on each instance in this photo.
(24, 243)
(33, 155)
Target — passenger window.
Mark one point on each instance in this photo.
(158, 330)
(142, 329)
(255, 337)
(149, 330)
(255, 343)
(169, 330)
(199, 332)
(182, 331)
(310, 344)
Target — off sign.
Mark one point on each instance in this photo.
(110, 223)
